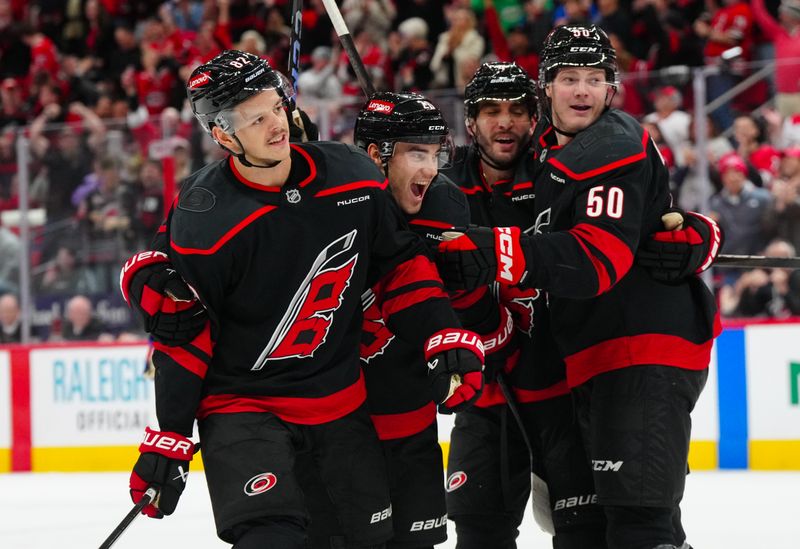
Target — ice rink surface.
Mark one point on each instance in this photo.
(722, 510)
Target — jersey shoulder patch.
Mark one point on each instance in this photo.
(210, 210)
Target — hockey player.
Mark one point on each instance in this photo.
(636, 349)
(489, 463)
(278, 242)
(408, 138)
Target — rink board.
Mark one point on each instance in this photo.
(5, 409)
(84, 407)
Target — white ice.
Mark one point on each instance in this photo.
(722, 510)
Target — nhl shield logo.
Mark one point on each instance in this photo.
(293, 196)
(543, 156)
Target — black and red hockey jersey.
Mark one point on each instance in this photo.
(597, 198)
(398, 389)
(536, 371)
(281, 271)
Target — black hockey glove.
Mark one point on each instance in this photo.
(481, 255)
(168, 308)
(455, 368)
(301, 128)
(163, 464)
(688, 247)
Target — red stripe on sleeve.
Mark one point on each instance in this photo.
(409, 299)
(417, 269)
(466, 299)
(183, 358)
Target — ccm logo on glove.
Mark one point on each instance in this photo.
(505, 247)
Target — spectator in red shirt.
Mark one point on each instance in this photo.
(729, 26)
(786, 39)
(154, 83)
(44, 55)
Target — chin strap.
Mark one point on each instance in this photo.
(242, 156)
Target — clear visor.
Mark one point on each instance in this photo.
(423, 157)
(266, 98)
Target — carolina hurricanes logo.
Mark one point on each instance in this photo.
(305, 325)
(200, 80)
(260, 483)
(520, 303)
(456, 481)
(375, 336)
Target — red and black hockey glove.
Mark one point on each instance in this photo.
(163, 464)
(689, 246)
(455, 368)
(169, 310)
(481, 255)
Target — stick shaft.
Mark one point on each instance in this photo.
(148, 496)
(752, 261)
(349, 47)
(294, 43)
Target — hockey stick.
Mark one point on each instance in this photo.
(149, 495)
(540, 494)
(752, 261)
(356, 62)
(294, 59)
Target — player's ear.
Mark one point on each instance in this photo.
(468, 122)
(374, 154)
(225, 139)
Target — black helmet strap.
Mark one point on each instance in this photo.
(242, 156)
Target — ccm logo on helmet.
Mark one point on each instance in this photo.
(586, 49)
(380, 106)
(200, 80)
(456, 481)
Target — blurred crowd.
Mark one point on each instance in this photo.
(97, 88)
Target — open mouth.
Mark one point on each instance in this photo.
(505, 142)
(418, 190)
(581, 108)
(278, 140)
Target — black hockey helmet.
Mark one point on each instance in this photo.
(230, 78)
(499, 81)
(577, 45)
(388, 118)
